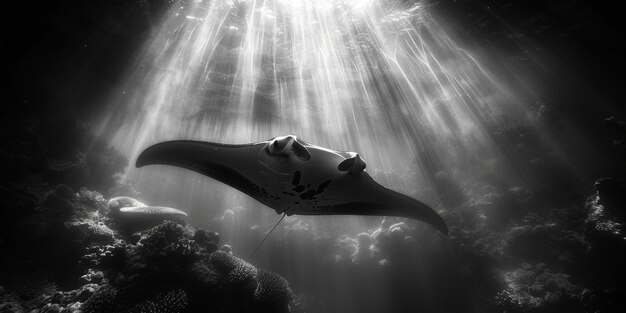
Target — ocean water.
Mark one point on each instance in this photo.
(479, 110)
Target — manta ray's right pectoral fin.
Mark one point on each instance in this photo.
(406, 206)
(382, 201)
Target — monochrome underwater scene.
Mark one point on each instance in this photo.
(322, 156)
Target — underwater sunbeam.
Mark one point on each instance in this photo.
(375, 76)
(380, 77)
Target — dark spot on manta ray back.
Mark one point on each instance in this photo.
(296, 178)
(308, 195)
(311, 193)
(323, 186)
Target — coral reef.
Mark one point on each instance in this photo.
(561, 257)
(170, 268)
(169, 242)
(272, 288)
(172, 302)
(538, 289)
(569, 257)
(66, 248)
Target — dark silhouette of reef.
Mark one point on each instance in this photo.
(167, 268)
(63, 250)
(563, 258)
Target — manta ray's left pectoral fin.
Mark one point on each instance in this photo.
(222, 162)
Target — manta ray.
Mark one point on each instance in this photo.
(293, 176)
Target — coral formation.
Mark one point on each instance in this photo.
(66, 248)
(172, 302)
(168, 241)
(103, 300)
(208, 241)
(538, 288)
(271, 287)
(124, 277)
